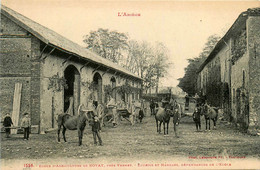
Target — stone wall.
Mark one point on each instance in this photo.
(239, 85)
(52, 101)
(253, 31)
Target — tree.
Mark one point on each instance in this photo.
(189, 81)
(161, 64)
(107, 44)
(149, 62)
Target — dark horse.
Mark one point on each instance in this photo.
(210, 113)
(163, 115)
(77, 122)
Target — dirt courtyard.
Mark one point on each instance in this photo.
(136, 144)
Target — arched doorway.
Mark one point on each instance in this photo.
(72, 90)
(97, 79)
(113, 85)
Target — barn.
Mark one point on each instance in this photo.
(229, 77)
(42, 70)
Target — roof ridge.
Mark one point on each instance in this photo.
(47, 35)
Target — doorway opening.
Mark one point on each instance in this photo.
(72, 90)
(97, 79)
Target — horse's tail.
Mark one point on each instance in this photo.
(62, 118)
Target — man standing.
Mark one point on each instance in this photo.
(7, 124)
(152, 107)
(26, 124)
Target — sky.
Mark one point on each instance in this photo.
(183, 26)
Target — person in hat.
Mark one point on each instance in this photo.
(26, 124)
(7, 124)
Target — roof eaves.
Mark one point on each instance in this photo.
(46, 41)
(84, 58)
(221, 41)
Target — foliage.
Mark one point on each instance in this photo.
(108, 90)
(56, 83)
(214, 86)
(148, 61)
(90, 85)
(189, 81)
(240, 46)
(108, 44)
(124, 89)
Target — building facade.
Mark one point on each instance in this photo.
(229, 78)
(53, 72)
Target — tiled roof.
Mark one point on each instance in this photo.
(50, 37)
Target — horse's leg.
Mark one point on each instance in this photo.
(157, 125)
(63, 133)
(59, 127)
(206, 123)
(209, 124)
(167, 127)
(175, 129)
(164, 128)
(160, 127)
(214, 121)
(80, 134)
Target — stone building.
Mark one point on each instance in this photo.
(229, 77)
(50, 70)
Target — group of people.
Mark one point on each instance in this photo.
(25, 124)
(136, 110)
(154, 105)
(196, 114)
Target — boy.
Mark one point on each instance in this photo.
(7, 123)
(196, 118)
(95, 129)
(26, 124)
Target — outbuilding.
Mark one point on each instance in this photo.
(41, 71)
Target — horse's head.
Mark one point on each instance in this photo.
(85, 115)
(204, 109)
(168, 110)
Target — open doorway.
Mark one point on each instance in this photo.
(97, 79)
(72, 91)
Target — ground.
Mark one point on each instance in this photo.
(127, 143)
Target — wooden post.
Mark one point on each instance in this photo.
(16, 106)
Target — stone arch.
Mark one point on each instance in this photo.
(97, 80)
(72, 89)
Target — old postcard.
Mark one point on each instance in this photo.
(130, 84)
